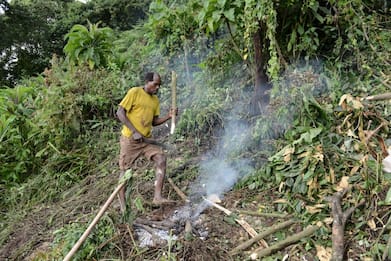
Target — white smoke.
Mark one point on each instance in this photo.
(222, 167)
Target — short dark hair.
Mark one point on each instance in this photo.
(149, 76)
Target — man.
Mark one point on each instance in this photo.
(139, 111)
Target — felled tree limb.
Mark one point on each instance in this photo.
(339, 221)
(283, 243)
(164, 224)
(261, 235)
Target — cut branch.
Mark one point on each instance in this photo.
(165, 224)
(379, 97)
(286, 242)
(339, 221)
(261, 235)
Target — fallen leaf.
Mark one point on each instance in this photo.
(315, 209)
(347, 101)
(343, 184)
(354, 170)
(371, 223)
(288, 153)
(281, 200)
(328, 220)
(324, 254)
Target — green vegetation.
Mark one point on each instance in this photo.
(292, 72)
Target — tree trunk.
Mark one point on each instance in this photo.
(260, 98)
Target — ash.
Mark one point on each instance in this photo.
(153, 239)
(158, 233)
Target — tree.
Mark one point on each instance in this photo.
(29, 38)
(118, 14)
(32, 31)
(305, 30)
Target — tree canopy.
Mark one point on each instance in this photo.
(32, 31)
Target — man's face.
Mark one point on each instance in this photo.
(153, 86)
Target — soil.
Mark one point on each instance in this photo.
(33, 235)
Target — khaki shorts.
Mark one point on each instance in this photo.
(130, 150)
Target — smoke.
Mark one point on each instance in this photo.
(222, 167)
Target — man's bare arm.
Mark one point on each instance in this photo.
(157, 121)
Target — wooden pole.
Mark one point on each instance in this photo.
(93, 223)
(173, 100)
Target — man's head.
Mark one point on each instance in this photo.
(152, 82)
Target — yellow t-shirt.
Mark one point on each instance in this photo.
(141, 108)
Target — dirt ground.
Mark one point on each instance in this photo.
(33, 235)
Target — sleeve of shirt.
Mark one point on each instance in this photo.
(128, 100)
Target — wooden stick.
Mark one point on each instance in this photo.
(177, 190)
(261, 235)
(379, 97)
(258, 254)
(164, 224)
(173, 101)
(251, 231)
(93, 223)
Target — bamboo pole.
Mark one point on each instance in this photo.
(173, 101)
(93, 223)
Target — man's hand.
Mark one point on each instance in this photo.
(137, 136)
(173, 111)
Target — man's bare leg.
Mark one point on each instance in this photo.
(121, 194)
(160, 162)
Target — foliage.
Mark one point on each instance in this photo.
(43, 136)
(90, 45)
(315, 137)
(317, 159)
(97, 241)
(172, 24)
(17, 140)
(119, 15)
(207, 107)
(34, 30)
